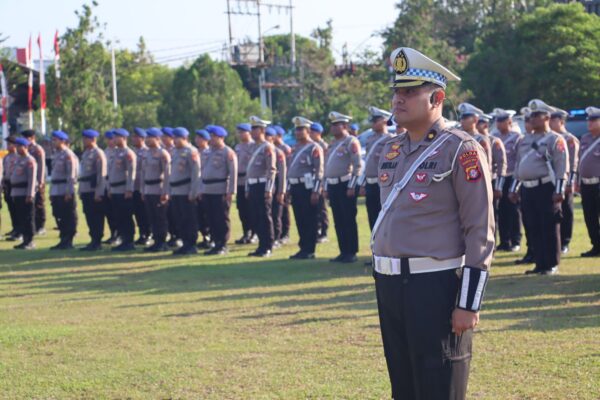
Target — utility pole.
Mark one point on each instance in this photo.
(230, 34)
(292, 39)
(114, 78)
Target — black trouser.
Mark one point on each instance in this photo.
(172, 221)
(141, 216)
(186, 219)
(40, 209)
(276, 213)
(322, 217)
(10, 203)
(218, 218)
(566, 225)
(526, 228)
(123, 213)
(495, 202)
(285, 217)
(244, 212)
(26, 223)
(109, 213)
(509, 217)
(202, 212)
(590, 202)
(373, 202)
(157, 216)
(306, 215)
(94, 216)
(344, 217)
(543, 216)
(65, 213)
(261, 208)
(425, 359)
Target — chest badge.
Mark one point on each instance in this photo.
(384, 177)
(420, 177)
(391, 155)
(417, 197)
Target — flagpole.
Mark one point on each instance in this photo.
(57, 98)
(4, 105)
(30, 83)
(42, 89)
(114, 78)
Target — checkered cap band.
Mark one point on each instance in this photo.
(430, 75)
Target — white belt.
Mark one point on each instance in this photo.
(590, 181)
(371, 181)
(295, 181)
(253, 181)
(418, 265)
(536, 182)
(335, 181)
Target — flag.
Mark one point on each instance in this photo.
(29, 62)
(57, 69)
(4, 105)
(42, 87)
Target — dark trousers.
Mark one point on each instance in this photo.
(10, 203)
(243, 206)
(40, 209)
(285, 217)
(425, 359)
(65, 213)
(109, 213)
(566, 225)
(26, 223)
(123, 213)
(261, 208)
(322, 217)
(509, 217)
(186, 219)
(277, 214)
(526, 228)
(218, 218)
(306, 216)
(590, 202)
(202, 212)
(157, 217)
(172, 221)
(94, 216)
(373, 202)
(141, 216)
(543, 216)
(344, 217)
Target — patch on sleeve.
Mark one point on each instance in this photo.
(280, 156)
(315, 152)
(560, 145)
(498, 144)
(129, 157)
(194, 156)
(354, 147)
(268, 151)
(230, 155)
(470, 163)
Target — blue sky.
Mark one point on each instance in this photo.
(176, 29)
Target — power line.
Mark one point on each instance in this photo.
(185, 47)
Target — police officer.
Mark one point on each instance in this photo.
(343, 167)
(469, 115)
(305, 177)
(557, 124)
(243, 150)
(154, 188)
(369, 181)
(353, 129)
(121, 178)
(280, 188)
(8, 164)
(183, 189)
(139, 208)
(23, 183)
(260, 182)
(542, 168)
(167, 143)
(109, 210)
(65, 167)
(284, 235)
(433, 240)
(92, 186)
(38, 153)
(509, 215)
(316, 134)
(217, 187)
(202, 139)
(589, 179)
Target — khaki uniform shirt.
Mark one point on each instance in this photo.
(307, 160)
(140, 154)
(263, 166)
(219, 171)
(92, 175)
(185, 171)
(343, 158)
(121, 170)
(243, 152)
(374, 154)
(281, 165)
(8, 164)
(498, 157)
(589, 164)
(573, 148)
(511, 143)
(38, 153)
(531, 164)
(23, 176)
(156, 172)
(65, 167)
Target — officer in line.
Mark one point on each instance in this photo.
(109, 210)
(509, 214)
(23, 183)
(316, 135)
(121, 178)
(353, 129)
(557, 124)
(202, 211)
(498, 160)
(218, 186)
(260, 182)
(139, 208)
(589, 179)
(284, 235)
(38, 153)
(8, 164)
(280, 187)
(305, 178)
(167, 143)
(343, 167)
(469, 115)
(92, 186)
(65, 168)
(243, 150)
(542, 169)
(183, 189)
(154, 188)
(433, 240)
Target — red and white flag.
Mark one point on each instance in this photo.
(42, 88)
(57, 69)
(29, 61)
(4, 103)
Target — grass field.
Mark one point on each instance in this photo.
(106, 326)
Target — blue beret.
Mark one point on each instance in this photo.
(90, 133)
(181, 132)
(317, 127)
(21, 141)
(140, 132)
(354, 127)
(279, 129)
(217, 130)
(203, 133)
(244, 127)
(154, 132)
(270, 131)
(121, 132)
(167, 130)
(109, 134)
(60, 135)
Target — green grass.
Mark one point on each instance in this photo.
(75, 325)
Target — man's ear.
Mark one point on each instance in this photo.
(437, 97)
